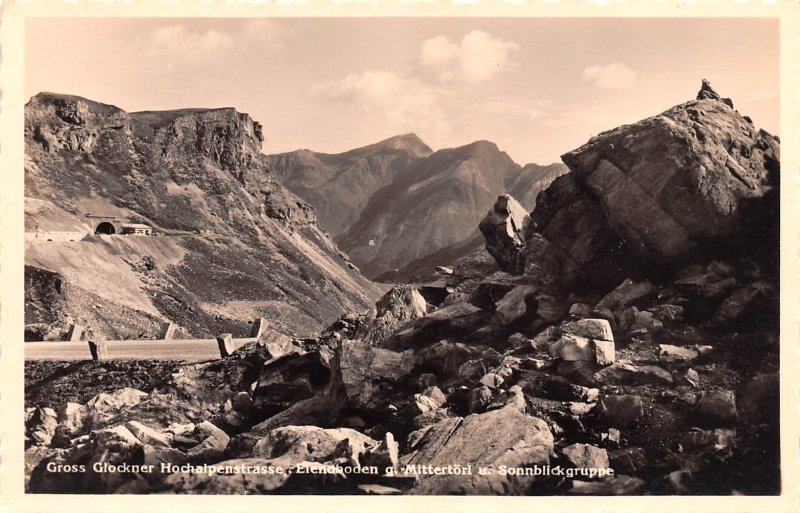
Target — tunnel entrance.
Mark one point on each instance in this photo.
(105, 228)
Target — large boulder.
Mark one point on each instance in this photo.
(213, 443)
(290, 379)
(310, 443)
(102, 409)
(627, 374)
(621, 410)
(696, 179)
(625, 294)
(503, 228)
(503, 437)
(109, 446)
(449, 360)
(585, 456)
(516, 305)
(455, 320)
(572, 220)
(369, 375)
(272, 344)
(41, 426)
(401, 304)
(321, 409)
(761, 399)
(679, 180)
(717, 408)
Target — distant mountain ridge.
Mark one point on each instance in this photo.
(339, 185)
(395, 204)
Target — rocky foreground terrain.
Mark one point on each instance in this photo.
(630, 323)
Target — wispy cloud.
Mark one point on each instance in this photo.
(182, 44)
(448, 91)
(616, 75)
(404, 103)
(180, 41)
(479, 57)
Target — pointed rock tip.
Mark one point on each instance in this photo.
(507, 203)
(708, 93)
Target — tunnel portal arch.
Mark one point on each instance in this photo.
(105, 228)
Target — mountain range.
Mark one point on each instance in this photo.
(398, 208)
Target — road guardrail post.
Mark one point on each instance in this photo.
(75, 332)
(225, 342)
(259, 326)
(98, 350)
(167, 331)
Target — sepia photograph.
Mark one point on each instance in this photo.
(488, 256)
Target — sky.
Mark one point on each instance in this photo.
(537, 87)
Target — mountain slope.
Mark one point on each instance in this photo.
(436, 204)
(340, 185)
(233, 243)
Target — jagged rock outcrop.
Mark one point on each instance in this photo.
(708, 93)
(671, 187)
(402, 304)
(504, 230)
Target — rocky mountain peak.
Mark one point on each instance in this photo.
(481, 147)
(409, 142)
(230, 138)
(71, 109)
(67, 122)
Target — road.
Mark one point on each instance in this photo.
(194, 350)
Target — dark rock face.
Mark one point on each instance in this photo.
(455, 320)
(578, 230)
(290, 379)
(621, 411)
(369, 375)
(717, 408)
